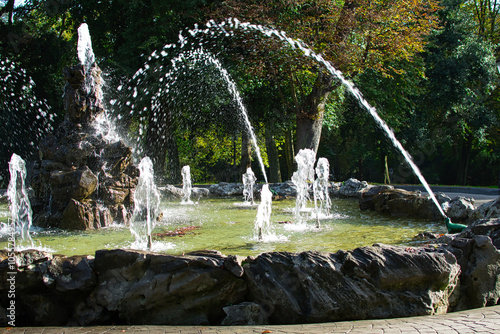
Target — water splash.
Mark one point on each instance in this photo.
(94, 83)
(168, 77)
(262, 222)
(84, 46)
(146, 209)
(248, 183)
(186, 185)
(224, 29)
(296, 44)
(302, 179)
(20, 207)
(25, 117)
(320, 191)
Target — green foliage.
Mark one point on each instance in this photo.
(440, 94)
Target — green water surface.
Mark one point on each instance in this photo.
(227, 226)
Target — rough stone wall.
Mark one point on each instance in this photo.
(133, 287)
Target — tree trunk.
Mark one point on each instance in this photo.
(360, 169)
(464, 160)
(246, 152)
(387, 176)
(310, 116)
(289, 153)
(272, 155)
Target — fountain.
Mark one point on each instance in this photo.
(186, 185)
(83, 179)
(20, 207)
(207, 287)
(25, 118)
(98, 175)
(320, 190)
(303, 178)
(262, 222)
(233, 23)
(167, 78)
(146, 208)
(248, 183)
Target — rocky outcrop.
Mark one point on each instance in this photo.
(225, 189)
(208, 288)
(47, 286)
(399, 202)
(82, 181)
(386, 281)
(487, 210)
(174, 193)
(477, 253)
(460, 209)
(120, 286)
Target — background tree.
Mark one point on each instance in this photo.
(462, 75)
(352, 35)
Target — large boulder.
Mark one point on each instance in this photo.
(399, 202)
(225, 189)
(477, 252)
(352, 188)
(318, 287)
(145, 288)
(487, 210)
(47, 286)
(460, 209)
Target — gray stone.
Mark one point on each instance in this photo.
(283, 190)
(225, 189)
(399, 202)
(171, 192)
(47, 286)
(245, 314)
(352, 188)
(479, 260)
(160, 289)
(78, 216)
(198, 193)
(319, 287)
(460, 209)
(487, 210)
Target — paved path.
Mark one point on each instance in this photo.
(478, 321)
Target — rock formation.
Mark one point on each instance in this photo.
(208, 288)
(81, 180)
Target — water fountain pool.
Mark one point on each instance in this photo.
(219, 224)
(208, 218)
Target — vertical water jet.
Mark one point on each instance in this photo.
(20, 207)
(146, 208)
